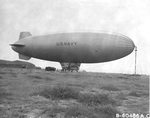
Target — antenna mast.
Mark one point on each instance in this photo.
(135, 59)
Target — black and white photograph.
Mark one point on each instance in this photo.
(74, 58)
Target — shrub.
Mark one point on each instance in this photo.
(59, 92)
(80, 112)
(95, 100)
(52, 112)
(35, 76)
(138, 93)
(109, 111)
(77, 111)
(3, 94)
(1, 77)
(110, 88)
(122, 77)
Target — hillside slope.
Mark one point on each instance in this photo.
(36, 93)
(16, 64)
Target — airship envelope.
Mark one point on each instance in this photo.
(78, 47)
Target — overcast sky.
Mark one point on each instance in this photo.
(128, 17)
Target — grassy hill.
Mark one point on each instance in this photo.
(16, 64)
(31, 93)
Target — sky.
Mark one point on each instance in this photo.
(128, 17)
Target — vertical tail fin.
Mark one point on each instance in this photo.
(21, 36)
(24, 35)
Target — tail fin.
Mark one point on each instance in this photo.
(21, 36)
(24, 35)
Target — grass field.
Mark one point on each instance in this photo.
(40, 94)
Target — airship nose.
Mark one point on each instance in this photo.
(120, 46)
(126, 44)
(132, 44)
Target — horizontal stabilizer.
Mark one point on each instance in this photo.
(24, 57)
(17, 45)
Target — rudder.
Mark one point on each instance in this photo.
(21, 36)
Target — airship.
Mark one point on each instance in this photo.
(72, 49)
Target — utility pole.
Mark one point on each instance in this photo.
(135, 59)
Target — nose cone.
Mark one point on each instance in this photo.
(119, 47)
(127, 44)
(132, 45)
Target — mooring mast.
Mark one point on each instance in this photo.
(135, 59)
